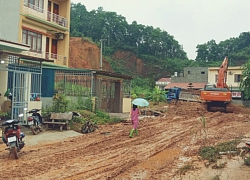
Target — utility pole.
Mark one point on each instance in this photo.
(101, 53)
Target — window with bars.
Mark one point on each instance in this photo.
(33, 39)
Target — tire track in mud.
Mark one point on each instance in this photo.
(157, 149)
(216, 123)
(168, 149)
(50, 158)
(122, 168)
(51, 162)
(160, 148)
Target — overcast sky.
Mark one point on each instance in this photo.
(191, 22)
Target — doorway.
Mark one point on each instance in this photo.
(20, 93)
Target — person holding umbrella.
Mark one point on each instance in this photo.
(134, 115)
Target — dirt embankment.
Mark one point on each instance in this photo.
(137, 66)
(165, 143)
(131, 62)
(86, 55)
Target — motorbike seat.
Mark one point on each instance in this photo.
(11, 121)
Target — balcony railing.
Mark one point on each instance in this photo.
(39, 12)
(58, 59)
(57, 19)
(31, 6)
(39, 54)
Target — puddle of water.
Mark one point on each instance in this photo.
(145, 169)
(159, 160)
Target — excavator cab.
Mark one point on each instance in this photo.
(209, 86)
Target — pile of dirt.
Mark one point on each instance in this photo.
(187, 110)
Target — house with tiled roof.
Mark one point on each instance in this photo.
(161, 83)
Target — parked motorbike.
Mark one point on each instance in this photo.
(12, 136)
(35, 121)
(245, 150)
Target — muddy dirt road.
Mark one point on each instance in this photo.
(164, 145)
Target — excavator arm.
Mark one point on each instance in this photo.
(222, 74)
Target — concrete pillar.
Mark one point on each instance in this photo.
(97, 90)
(3, 79)
(3, 87)
(118, 97)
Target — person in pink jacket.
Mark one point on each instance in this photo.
(134, 115)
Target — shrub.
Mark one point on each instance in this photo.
(84, 103)
(102, 117)
(211, 153)
(60, 103)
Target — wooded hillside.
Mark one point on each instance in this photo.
(148, 52)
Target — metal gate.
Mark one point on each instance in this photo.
(24, 82)
(20, 93)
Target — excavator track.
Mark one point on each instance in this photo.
(229, 108)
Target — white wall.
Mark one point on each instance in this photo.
(3, 87)
(9, 19)
(126, 106)
(230, 77)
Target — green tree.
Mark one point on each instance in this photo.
(245, 80)
(158, 95)
(237, 50)
(99, 24)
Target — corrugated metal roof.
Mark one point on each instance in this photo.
(46, 64)
(97, 72)
(63, 68)
(111, 74)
